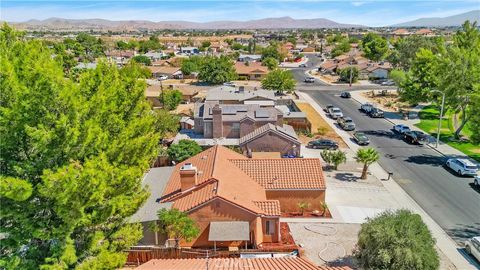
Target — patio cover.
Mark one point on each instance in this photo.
(229, 231)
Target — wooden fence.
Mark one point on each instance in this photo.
(140, 255)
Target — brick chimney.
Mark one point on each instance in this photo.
(280, 119)
(188, 176)
(217, 123)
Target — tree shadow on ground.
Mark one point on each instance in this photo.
(462, 232)
(347, 177)
(427, 160)
(348, 260)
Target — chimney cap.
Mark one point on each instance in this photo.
(188, 167)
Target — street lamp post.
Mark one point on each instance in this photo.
(440, 117)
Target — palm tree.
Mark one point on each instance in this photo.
(303, 206)
(366, 156)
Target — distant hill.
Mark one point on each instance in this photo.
(455, 20)
(101, 24)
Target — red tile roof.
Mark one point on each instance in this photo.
(269, 207)
(228, 175)
(251, 68)
(284, 173)
(286, 263)
(193, 198)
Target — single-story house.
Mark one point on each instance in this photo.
(251, 70)
(169, 71)
(189, 50)
(378, 72)
(237, 201)
(153, 92)
(250, 58)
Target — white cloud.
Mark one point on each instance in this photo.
(357, 4)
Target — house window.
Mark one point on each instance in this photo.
(270, 227)
(258, 75)
(236, 126)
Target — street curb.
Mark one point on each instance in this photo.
(431, 147)
(443, 241)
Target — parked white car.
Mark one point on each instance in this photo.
(476, 181)
(462, 166)
(335, 112)
(401, 128)
(472, 246)
(229, 84)
(162, 77)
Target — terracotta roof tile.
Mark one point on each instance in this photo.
(269, 207)
(194, 198)
(284, 173)
(252, 68)
(286, 263)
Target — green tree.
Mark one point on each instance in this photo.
(177, 225)
(458, 73)
(279, 80)
(171, 98)
(396, 240)
(421, 78)
(398, 76)
(375, 47)
(191, 64)
(168, 124)
(341, 48)
(183, 150)
(347, 73)
(72, 157)
(217, 70)
(237, 46)
(334, 157)
(405, 49)
(270, 62)
(367, 156)
(142, 59)
(272, 51)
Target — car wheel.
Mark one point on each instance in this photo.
(468, 250)
(460, 172)
(475, 182)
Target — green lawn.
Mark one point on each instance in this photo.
(429, 124)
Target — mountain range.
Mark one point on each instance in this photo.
(454, 20)
(101, 24)
(268, 23)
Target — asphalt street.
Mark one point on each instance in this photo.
(450, 200)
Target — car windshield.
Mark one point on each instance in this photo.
(347, 120)
(471, 167)
(361, 136)
(336, 110)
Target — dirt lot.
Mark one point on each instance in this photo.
(318, 124)
(389, 102)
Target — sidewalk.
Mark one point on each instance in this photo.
(395, 119)
(444, 242)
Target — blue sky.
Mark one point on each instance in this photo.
(371, 13)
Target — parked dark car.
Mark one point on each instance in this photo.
(366, 107)
(345, 95)
(323, 144)
(415, 137)
(360, 138)
(375, 113)
(328, 107)
(303, 65)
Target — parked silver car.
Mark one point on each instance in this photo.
(335, 112)
(472, 246)
(462, 166)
